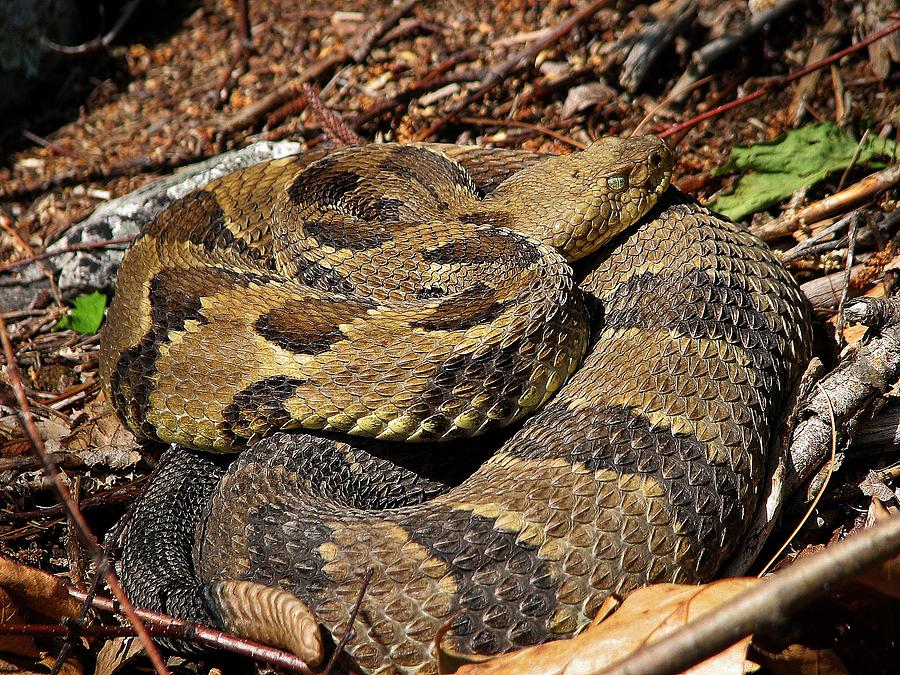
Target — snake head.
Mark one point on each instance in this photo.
(578, 202)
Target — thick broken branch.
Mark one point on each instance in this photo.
(703, 59)
(860, 381)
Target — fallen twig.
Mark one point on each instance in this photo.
(431, 82)
(88, 540)
(331, 124)
(108, 243)
(824, 42)
(169, 626)
(840, 202)
(821, 488)
(848, 265)
(824, 293)
(245, 39)
(126, 493)
(159, 625)
(345, 638)
(50, 145)
(239, 62)
(6, 224)
(810, 246)
(665, 101)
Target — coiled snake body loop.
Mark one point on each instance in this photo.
(423, 293)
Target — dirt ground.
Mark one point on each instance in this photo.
(177, 86)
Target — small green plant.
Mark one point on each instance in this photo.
(85, 316)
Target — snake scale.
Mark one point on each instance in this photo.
(314, 310)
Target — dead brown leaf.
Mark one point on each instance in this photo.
(103, 439)
(586, 95)
(117, 655)
(883, 578)
(25, 593)
(37, 591)
(21, 645)
(38, 666)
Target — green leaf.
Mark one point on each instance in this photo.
(85, 317)
(800, 158)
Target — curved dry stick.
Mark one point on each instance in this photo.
(85, 534)
(99, 42)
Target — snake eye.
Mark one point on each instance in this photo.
(617, 183)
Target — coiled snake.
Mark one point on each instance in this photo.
(424, 294)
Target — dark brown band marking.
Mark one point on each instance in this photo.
(354, 224)
(515, 593)
(428, 169)
(498, 372)
(260, 407)
(486, 247)
(322, 183)
(199, 219)
(345, 232)
(430, 292)
(309, 326)
(175, 294)
(475, 305)
(174, 297)
(704, 497)
(325, 279)
(699, 306)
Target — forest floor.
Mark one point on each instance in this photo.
(178, 85)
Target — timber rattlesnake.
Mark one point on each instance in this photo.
(423, 293)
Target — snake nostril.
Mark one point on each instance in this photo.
(656, 159)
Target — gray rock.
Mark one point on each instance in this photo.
(84, 271)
